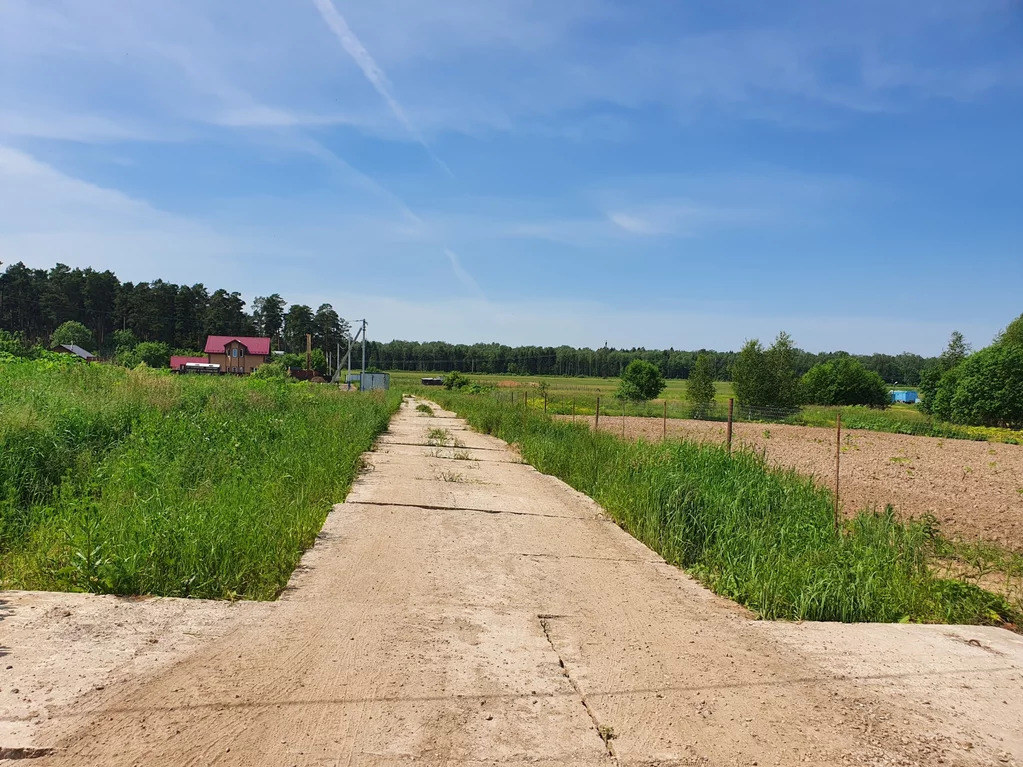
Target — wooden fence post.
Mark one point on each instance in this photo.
(838, 460)
(664, 430)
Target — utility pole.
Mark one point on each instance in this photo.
(308, 351)
(363, 351)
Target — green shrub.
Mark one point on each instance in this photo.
(640, 381)
(844, 381)
(456, 380)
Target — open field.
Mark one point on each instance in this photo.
(579, 396)
(139, 482)
(500, 619)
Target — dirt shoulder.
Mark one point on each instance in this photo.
(461, 608)
(974, 489)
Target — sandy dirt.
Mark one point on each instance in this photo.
(476, 612)
(974, 489)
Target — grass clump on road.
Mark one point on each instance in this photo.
(139, 482)
(759, 535)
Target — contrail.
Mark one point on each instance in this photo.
(354, 47)
(463, 276)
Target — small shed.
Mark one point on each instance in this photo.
(904, 395)
(179, 362)
(371, 381)
(76, 350)
(432, 381)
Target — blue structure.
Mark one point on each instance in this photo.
(901, 395)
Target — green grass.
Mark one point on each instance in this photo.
(138, 482)
(579, 396)
(761, 536)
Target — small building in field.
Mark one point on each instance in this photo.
(179, 363)
(903, 395)
(432, 381)
(370, 381)
(237, 354)
(76, 350)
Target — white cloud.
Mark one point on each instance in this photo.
(467, 280)
(48, 217)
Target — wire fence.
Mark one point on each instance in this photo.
(892, 421)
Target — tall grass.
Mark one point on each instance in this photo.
(135, 482)
(761, 536)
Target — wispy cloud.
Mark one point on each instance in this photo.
(376, 76)
(467, 280)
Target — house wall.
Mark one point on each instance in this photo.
(239, 363)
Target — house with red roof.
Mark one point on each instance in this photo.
(237, 354)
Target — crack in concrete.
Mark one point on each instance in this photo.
(431, 507)
(584, 556)
(24, 752)
(606, 734)
(441, 447)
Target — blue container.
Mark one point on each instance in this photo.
(901, 395)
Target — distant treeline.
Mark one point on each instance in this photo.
(34, 302)
(605, 361)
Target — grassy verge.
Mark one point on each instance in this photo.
(136, 482)
(761, 536)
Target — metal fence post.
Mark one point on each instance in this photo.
(728, 431)
(596, 423)
(838, 460)
(664, 430)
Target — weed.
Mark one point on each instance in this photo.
(437, 437)
(462, 455)
(424, 409)
(452, 476)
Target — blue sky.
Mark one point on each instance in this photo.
(645, 173)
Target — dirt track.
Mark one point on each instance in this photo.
(974, 489)
(477, 612)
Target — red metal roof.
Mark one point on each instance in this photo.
(176, 361)
(216, 344)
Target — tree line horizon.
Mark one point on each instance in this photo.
(35, 302)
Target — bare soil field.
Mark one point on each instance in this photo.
(974, 489)
(461, 608)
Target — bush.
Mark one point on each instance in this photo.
(640, 381)
(844, 381)
(154, 354)
(456, 380)
(271, 371)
